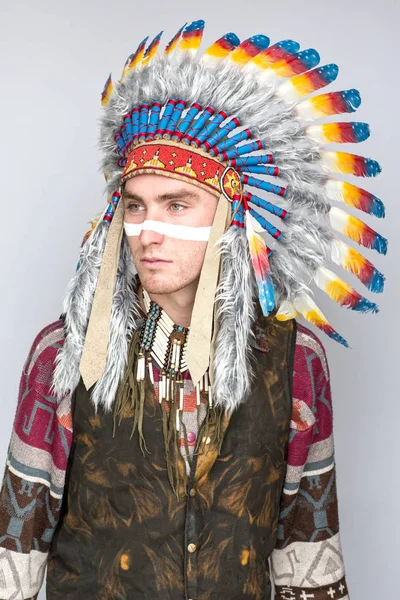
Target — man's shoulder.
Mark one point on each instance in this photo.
(54, 329)
(310, 367)
(307, 342)
(46, 345)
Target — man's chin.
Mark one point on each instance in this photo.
(156, 284)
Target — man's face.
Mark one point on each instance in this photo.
(166, 264)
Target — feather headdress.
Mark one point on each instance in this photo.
(250, 112)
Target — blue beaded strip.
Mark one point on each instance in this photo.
(121, 144)
(135, 123)
(186, 121)
(124, 133)
(112, 207)
(260, 169)
(128, 123)
(209, 145)
(271, 229)
(143, 120)
(198, 124)
(264, 159)
(245, 149)
(232, 141)
(148, 332)
(168, 110)
(265, 205)
(176, 115)
(237, 214)
(263, 185)
(210, 127)
(154, 118)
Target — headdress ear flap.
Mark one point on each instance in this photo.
(201, 326)
(94, 353)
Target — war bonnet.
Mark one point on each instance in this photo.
(244, 122)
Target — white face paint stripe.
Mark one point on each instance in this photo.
(179, 232)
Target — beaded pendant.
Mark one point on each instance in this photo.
(165, 343)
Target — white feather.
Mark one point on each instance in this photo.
(305, 304)
(254, 223)
(338, 219)
(286, 311)
(306, 111)
(314, 132)
(334, 190)
(288, 92)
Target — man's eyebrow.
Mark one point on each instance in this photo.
(131, 196)
(178, 195)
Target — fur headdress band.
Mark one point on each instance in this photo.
(240, 121)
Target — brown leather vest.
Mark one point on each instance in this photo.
(124, 535)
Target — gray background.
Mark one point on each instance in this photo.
(55, 57)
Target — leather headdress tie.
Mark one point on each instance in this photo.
(200, 332)
(94, 353)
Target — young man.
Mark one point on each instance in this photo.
(173, 435)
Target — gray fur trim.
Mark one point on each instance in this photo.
(124, 315)
(307, 197)
(231, 368)
(77, 308)
(304, 247)
(291, 285)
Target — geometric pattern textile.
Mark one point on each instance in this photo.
(33, 483)
(307, 562)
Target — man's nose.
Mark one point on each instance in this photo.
(148, 237)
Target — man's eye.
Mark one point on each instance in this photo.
(176, 207)
(134, 207)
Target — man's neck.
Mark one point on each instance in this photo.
(178, 305)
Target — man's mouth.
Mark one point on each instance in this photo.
(154, 261)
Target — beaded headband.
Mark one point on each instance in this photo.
(174, 160)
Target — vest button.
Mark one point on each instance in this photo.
(192, 492)
(191, 548)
